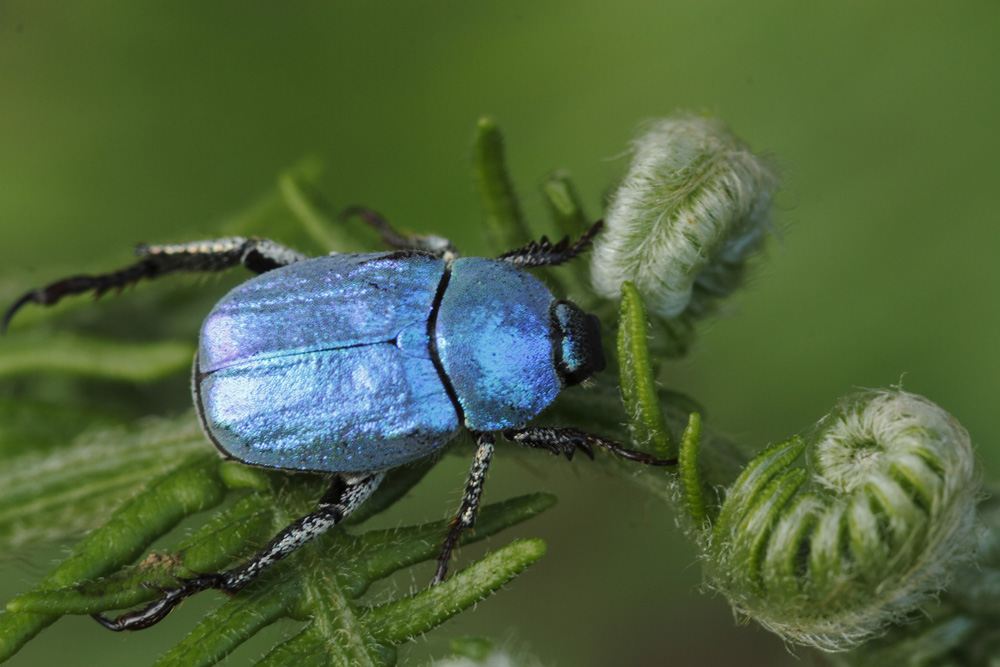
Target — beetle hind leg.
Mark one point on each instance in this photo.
(438, 246)
(346, 494)
(466, 517)
(258, 255)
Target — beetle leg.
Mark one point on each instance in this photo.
(438, 246)
(567, 440)
(346, 494)
(258, 255)
(546, 253)
(466, 517)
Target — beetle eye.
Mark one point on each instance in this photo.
(577, 343)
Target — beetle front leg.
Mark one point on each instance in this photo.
(438, 246)
(567, 440)
(466, 517)
(546, 253)
(346, 494)
(258, 255)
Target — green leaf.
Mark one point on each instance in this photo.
(53, 495)
(294, 214)
(25, 352)
(321, 582)
(506, 227)
(299, 194)
(215, 545)
(567, 211)
(564, 204)
(691, 479)
(393, 549)
(649, 426)
(415, 615)
(148, 515)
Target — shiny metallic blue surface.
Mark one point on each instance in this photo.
(495, 341)
(573, 354)
(322, 303)
(328, 364)
(325, 365)
(361, 408)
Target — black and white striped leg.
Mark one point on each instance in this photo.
(258, 255)
(346, 494)
(546, 253)
(435, 245)
(567, 441)
(466, 517)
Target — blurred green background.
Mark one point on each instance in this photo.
(126, 122)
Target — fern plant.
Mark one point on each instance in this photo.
(830, 538)
(167, 473)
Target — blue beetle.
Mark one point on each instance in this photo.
(353, 364)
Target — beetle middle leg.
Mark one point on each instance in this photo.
(466, 517)
(346, 493)
(438, 246)
(258, 255)
(566, 441)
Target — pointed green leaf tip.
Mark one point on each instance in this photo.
(564, 204)
(417, 614)
(694, 488)
(646, 420)
(505, 223)
(571, 220)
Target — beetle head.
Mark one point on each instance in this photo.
(577, 342)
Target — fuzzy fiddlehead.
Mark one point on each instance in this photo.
(826, 538)
(829, 537)
(694, 205)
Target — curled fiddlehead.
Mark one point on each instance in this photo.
(828, 537)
